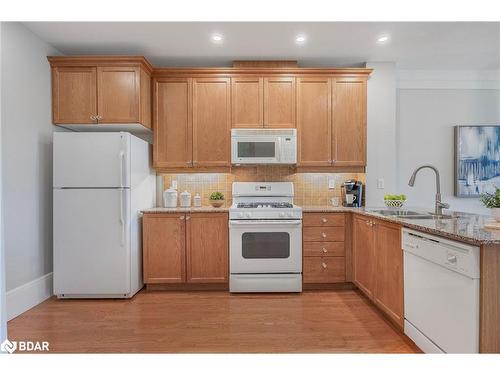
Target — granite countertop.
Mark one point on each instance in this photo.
(164, 210)
(463, 227)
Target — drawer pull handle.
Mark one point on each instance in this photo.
(323, 235)
(325, 250)
(324, 220)
(324, 265)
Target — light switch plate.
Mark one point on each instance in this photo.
(380, 183)
(331, 183)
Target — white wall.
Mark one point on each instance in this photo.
(381, 122)
(27, 166)
(429, 105)
(3, 310)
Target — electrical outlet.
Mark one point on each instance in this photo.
(380, 183)
(331, 183)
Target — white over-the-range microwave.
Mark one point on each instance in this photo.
(263, 146)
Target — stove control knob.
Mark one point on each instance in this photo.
(240, 215)
(289, 214)
(282, 214)
(248, 215)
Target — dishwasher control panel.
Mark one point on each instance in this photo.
(457, 256)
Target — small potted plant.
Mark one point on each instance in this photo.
(492, 200)
(394, 201)
(216, 199)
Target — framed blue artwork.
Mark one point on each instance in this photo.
(477, 160)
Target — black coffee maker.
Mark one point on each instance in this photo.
(352, 193)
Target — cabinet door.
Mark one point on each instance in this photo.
(389, 270)
(118, 93)
(164, 251)
(247, 101)
(314, 121)
(207, 248)
(172, 122)
(211, 122)
(363, 255)
(279, 102)
(349, 122)
(74, 95)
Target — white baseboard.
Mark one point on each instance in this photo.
(29, 295)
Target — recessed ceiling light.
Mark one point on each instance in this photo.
(300, 39)
(217, 38)
(383, 39)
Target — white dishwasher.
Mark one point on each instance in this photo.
(441, 293)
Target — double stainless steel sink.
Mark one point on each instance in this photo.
(408, 214)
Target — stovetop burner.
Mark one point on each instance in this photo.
(265, 205)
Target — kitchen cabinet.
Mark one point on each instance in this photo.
(164, 248)
(207, 248)
(211, 122)
(314, 121)
(172, 119)
(323, 248)
(101, 90)
(378, 264)
(349, 122)
(185, 248)
(263, 102)
(74, 95)
(247, 98)
(279, 102)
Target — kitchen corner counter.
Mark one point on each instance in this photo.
(166, 210)
(464, 227)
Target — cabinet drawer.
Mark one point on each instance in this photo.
(324, 269)
(323, 220)
(325, 249)
(323, 234)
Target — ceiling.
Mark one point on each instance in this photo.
(412, 45)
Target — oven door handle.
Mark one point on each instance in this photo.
(265, 222)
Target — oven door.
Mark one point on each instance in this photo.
(265, 246)
(255, 150)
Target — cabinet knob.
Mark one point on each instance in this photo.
(323, 235)
(188, 217)
(324, 219)
(93, 118)
(325, 250)
(181, 217)
(324, 265)
(99, 117)
(189, 162)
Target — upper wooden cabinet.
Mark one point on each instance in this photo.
(279, 102)
(314, 121)
(349, 122)
(263, 102)
(211, 122)
(74, 95)
(108, 90)
(172, 119)
(247, 99)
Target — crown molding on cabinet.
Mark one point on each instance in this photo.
(100, 60)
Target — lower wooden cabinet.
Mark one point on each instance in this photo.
(323, 247)
(378, 264)
(185, 248)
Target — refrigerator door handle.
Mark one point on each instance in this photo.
(122, 167)
(122, 219)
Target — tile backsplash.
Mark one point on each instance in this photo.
(311, 189)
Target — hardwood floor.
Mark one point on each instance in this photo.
(213, 322)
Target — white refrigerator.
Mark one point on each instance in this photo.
(101, 182)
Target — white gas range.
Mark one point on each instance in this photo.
(265, 238)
